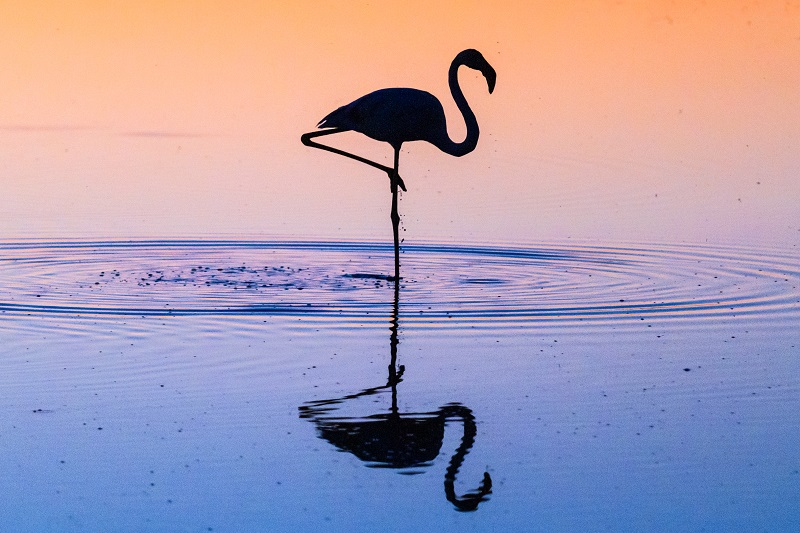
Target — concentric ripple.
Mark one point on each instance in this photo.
(440, 283)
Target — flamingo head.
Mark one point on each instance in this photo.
(473, 59)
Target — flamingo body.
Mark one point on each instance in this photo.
(394, 116)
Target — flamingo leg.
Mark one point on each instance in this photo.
(396, 216)
(394, 376)
(306, 139)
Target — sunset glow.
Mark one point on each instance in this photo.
(665, 121)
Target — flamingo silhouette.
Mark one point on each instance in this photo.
(399, 115)
(400, 440)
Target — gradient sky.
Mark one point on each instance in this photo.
(612, 121)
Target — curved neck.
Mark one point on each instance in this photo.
(470, 500)
(446, 144)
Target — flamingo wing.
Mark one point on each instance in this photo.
(395, 115)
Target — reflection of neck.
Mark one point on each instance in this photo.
(470, 500)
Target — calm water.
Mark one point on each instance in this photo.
(247, 386)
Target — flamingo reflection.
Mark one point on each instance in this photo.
(400, 440)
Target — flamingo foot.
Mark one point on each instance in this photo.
(395, 180)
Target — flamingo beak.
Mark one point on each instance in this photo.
(490, 75)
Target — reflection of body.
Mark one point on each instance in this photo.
(399, 440)
(401, 115)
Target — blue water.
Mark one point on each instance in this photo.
(252, 386)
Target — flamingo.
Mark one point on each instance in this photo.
(399, 115)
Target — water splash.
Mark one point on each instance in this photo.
(474, 284)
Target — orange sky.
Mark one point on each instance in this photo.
(611, 120)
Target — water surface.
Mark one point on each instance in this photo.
(241, 385)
